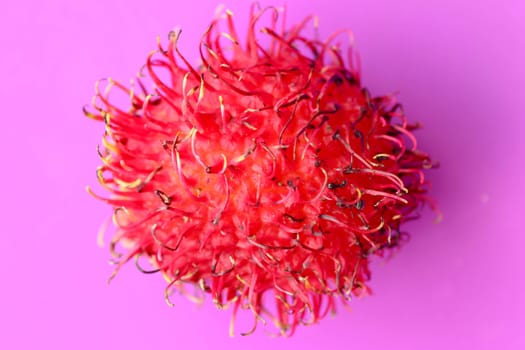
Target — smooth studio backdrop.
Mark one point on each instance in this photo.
(459, 69)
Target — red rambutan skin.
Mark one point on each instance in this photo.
(267, 170)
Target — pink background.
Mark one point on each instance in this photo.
(459, 66)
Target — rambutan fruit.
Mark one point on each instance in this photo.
(266, 177)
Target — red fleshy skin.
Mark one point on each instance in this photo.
(268, 172)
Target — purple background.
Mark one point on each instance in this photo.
(459, 67)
